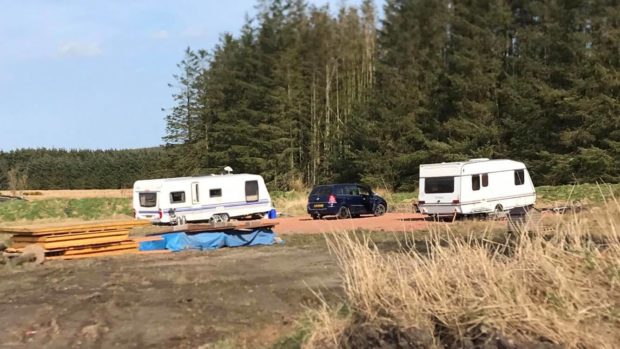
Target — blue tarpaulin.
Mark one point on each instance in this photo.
(209, 240)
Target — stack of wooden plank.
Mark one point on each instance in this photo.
(82, 240)
(210, 227)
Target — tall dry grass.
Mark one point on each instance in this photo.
(557, 288)
(291, 203)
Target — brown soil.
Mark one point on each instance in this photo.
(180, 300)
(390, 222)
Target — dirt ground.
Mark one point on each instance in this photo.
(181, 300)
(253, 296)
(390, 222)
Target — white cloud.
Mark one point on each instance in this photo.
(160, 35)
(79, 49)
(195, 32)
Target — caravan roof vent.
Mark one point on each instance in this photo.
(478, 159)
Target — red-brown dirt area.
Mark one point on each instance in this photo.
(390, 222)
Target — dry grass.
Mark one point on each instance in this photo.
(468, 291)
(290, 203)
(32, 195)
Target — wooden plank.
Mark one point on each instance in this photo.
(147, 238)
(122, 246)
(154, 252)
(74, 243)
(199, 228)
(47, 229)
(207, 227)
(63, 250)
(97, 254)
(71, 230)
(65, 237)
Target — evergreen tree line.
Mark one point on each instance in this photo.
(304, 94)
(80, 169)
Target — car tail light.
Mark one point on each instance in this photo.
(161, 214)
(421, 202)
(456, 201)
(332, 199)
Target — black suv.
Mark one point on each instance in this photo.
(344, 201)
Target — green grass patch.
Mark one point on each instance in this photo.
(585, 193)
(295, 339)
(87, 209)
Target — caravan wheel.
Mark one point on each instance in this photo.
(181, 220)
(220, 218)
(499, 209)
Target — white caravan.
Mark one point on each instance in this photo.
(215, 198)
(477, 186)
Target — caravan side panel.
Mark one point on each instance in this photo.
(490, 190)
(480, 186)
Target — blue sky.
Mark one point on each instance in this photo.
(94, 74)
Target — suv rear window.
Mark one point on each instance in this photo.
(148, 199)
(320, 191)
(439, 185)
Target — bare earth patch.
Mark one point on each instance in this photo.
(182, 300)
(390, 222)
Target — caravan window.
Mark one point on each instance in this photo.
(439, 185)
(177, 197)
(215, 193)
(485, 180)
(251, 191)
(148, 199)
(519, 177)
(475, 182)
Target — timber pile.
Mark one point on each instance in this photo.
(217, 227)
(84, 240)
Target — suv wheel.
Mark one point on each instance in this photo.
(316, 216)
(379, 210)
(344, 213)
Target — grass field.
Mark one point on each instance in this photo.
(585, 193)
(34, 195)
(461, 285)
(294, 203)
(102, 204)
(58, 209)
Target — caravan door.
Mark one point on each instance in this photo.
(477, 193)
(195, 194)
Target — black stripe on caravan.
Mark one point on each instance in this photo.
(479, 173)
